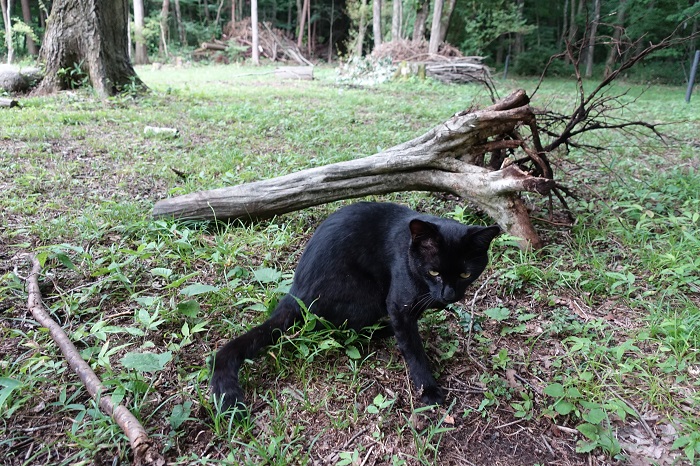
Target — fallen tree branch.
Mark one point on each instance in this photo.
(145, 452)
(448, 158)
(11, 103)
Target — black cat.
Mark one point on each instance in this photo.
(366, 262)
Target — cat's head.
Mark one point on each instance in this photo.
(449, 257)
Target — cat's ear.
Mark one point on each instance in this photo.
(481, 237)
(421, 231)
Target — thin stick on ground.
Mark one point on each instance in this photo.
(145, 452)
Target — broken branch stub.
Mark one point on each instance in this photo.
(448, 158)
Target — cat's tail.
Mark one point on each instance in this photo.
(228, 360)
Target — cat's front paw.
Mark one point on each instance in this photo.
(227, 394)
(432, 395)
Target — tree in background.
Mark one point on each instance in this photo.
(140, 47)
(163, 25)
(6, 6)
(377, 22)
(482, 23)
(90, 36)
(530, 31)
(32, 49)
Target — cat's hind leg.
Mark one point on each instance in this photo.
(228, 360)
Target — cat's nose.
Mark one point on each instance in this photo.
(448, 294)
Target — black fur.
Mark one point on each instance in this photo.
(369, 261)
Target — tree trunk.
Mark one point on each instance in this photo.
(519, 41)
(254, 26)
(164, 30)
(591, 39)
(330, 32)
(179, 25)
(421, 18)
(140, 48)
(434, 43)
(207, 16)
(573, 29)
(91, 32)
(446, 17)
(377, 22)
(300, 8)
(448, 158)
(309, 39)
(302, 23)
(27, 16)
(615, 46)
(362, 27)
(564, 26)
(396, 20)
(6, 7)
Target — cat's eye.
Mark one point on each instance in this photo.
(465, 275)
(434, 273)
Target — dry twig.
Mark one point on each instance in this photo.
(145, 452)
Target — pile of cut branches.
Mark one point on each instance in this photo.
(273, 43)
(415, 50)
(449, 65)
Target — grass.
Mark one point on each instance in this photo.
(583, 352)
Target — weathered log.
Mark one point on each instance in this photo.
(445, 159)
(8, 103)
(295, 72)
(213, 46)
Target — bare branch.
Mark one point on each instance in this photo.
(145, 452)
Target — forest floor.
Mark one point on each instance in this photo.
(585, 352)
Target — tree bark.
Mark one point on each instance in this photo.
(421, 17)
(300, 38)
(179, 25)
(591, 38)
(6, 7)
(164, 30)
(255, 33)
(519, 41)
(396, 20)
(615, 46)
(445, 20)
(140, 48)
(448, 158)
(27, 16)
(434, 43)
(377, 22)
(91, 32)
(207, 16)
(564, 26)
(361, 28)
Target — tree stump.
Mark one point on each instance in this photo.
(448, 158)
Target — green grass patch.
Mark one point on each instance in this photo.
(589, 343)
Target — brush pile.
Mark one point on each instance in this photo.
(237, 40)
(449, 65)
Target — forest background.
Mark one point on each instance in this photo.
(523, 32)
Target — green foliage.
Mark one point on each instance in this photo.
(74, 77)
(487, 21)
(536, 59)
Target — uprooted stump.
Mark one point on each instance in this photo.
(448, 158)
